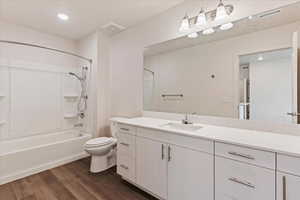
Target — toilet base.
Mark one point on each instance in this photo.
(102, 163)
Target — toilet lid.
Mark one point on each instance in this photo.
(101, 141)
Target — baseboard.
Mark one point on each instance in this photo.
(40, 168)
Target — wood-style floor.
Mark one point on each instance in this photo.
(72, 182)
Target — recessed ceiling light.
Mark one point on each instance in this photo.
(227, 26)
(193, 35)
(250, 17)
(260, 58)
(208, 31)
(63, 16)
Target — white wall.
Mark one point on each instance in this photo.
(271, 90)
(96, 46)
(22, 34)
(127, 48)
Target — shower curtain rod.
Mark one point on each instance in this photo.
(47, 48)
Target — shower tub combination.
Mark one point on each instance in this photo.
(58, 96)
(26, 156)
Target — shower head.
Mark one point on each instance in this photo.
(73, 74)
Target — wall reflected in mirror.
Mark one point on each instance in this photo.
(247, 73)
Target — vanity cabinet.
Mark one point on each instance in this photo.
(244, 174)
(241, 181)
(151, 166)
(288, 187)
(126, 152)
(171, 167)
(173, 172)
(190, 174)
(288, 178)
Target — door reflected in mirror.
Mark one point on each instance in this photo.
(266, 86)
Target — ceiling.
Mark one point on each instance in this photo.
(85, 15)
(288, 14)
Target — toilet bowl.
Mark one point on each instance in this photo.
(102, 151)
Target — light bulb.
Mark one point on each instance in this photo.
(208, 31)
(227, 26)
(201, 19)
(221, 11)
(185, 24)
(193, 35)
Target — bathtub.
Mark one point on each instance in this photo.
(23, 157)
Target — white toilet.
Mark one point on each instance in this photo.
(103, 152)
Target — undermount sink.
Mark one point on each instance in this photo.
(179, 126)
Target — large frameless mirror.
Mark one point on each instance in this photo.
(249, 72)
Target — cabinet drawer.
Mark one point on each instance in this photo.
(288, 164)
(123, 128)
(126, 167)
(252, 156)
(126, 144)
(241, 181)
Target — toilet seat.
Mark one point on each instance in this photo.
(99, 142)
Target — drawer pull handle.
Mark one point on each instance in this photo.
(241, 155)
(245, 183)
(284, 188)
(124, 167)
(124, 144)
(125, 129)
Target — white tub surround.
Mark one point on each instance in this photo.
(213, 161)
(23, 157)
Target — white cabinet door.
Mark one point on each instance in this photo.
(190, 174)
(151, 166)
(239, 181)
(288, 187)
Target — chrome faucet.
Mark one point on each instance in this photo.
(186, 119)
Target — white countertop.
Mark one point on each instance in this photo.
(279, 143)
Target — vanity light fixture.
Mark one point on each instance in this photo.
(63, 16)
(192, 24)
(193, 35)
(185, 24)
(201, 18)
(226, 26)
(208, 31)
(221, 12)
